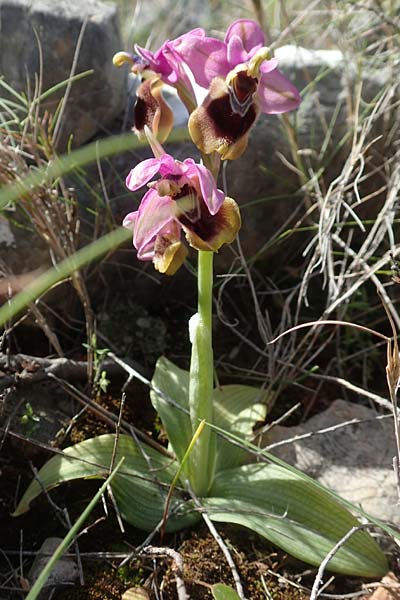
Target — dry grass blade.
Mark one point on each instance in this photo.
(393, 380)
(51, 208)
(335, 210)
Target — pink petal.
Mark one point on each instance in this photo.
(142, 173)
(156, 60)
(206, 57)
(197, 32)
(153, 214)
(235, 52)
(177, 74)
(276, 94)
(166, 62)
(146, 251)
(172, 228)
(130, 220)
(169, 166)
(269, 65)
(249, 32)
(187, 39)
(212, 196)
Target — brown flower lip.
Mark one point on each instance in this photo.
(152, 110)
(222, 123)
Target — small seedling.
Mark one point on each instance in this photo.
(30, 420)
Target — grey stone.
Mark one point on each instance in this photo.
(7, 238)
(158, 20)
(17, 239)
(355, 460)
(65, 571)
(95, 100)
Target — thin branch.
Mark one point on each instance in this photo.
(331, 322)
(309, 434)
(318, 579)
(58, 126)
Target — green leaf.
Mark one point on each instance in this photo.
(172, 403)
(220, 591)
(69, 538)
(140, 487)
(294, 514)
(237, 408)
(355, 509)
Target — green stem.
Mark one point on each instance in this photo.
(202, 459)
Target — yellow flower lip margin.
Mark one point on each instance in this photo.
(169, 255)
(151, 110)
(225, 227)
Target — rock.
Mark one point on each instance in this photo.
(136, 593)
(354, 461)
(64, 572)
(16, 242)
(95, 100)
(389, 589)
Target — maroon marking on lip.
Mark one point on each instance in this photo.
(244, 86)
(145, 106)
(227, 124)
(207, 226)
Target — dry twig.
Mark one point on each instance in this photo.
(177, 567)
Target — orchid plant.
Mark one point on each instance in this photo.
(209, 429)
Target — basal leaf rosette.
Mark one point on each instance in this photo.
(274, 500)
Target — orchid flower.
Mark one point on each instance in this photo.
(185, 197)
(243, 81)
(164, 66)
(150, 108)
